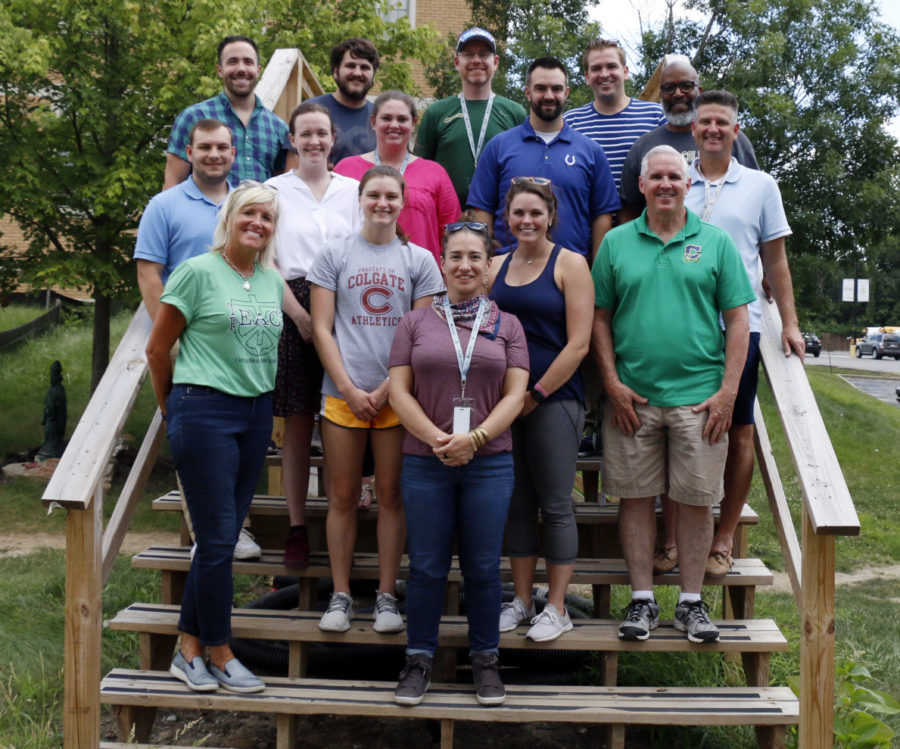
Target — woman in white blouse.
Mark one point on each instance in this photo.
(318, 208)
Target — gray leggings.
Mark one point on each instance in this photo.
(545, 448)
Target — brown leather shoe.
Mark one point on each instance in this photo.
(719, 563)
(665, 559)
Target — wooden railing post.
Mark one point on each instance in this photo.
(817, 641)
(83, 620)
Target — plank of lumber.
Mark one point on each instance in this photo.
(624, 705)
(365, 567)
(752, 635)
(825, 491)
(267, 504)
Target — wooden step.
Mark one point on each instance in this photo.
(752, 635)
(586, 513)
(750, 572)
(772, 707)
(129, 745)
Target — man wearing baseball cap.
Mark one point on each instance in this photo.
(454, 131)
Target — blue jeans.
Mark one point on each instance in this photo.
(218, 442)
(466, 504)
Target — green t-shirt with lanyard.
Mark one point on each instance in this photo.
(442, 135)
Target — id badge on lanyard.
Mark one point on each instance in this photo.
(463, 407)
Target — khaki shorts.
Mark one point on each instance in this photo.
(667, 455)
(338, 412)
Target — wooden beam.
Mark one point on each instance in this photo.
(825, 491)
(123, 512)
(817, 641)
(778, 504)
(81, 467)
(83, 618)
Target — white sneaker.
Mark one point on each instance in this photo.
(513, 613)
(387, 617)
(338, 614)
(246, 547)
(549, 624)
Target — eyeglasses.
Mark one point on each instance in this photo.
(475, 226)
(532, 180)
(684, 86)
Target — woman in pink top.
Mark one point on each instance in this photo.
(431, 201)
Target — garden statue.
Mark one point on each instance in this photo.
(54, 421)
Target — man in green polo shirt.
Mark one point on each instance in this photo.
(661, 283)
(454, 131)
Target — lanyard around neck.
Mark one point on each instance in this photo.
(476, 149)
(402, 168)
(464, 362)
(710, 200)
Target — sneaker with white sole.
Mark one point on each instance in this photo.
(415, 678)
(195, 674)
(338, 614)
(549, 624)
(513, 613)
(489, 689)
(387, 616)
(236, 677)
(641, 616)
(246, 547)
(692, 618)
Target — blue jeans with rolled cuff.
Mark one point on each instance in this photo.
(466, 504)
(218, 443)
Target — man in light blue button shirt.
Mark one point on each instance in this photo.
(179, 223)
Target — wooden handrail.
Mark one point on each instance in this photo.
(80, 470)
(825, 493)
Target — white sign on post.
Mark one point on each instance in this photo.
(847, 290)
(862, 290)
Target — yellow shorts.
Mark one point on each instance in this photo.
(339, 413)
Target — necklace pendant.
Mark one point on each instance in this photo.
(246, 285)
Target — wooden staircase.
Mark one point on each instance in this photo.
(752, 641)
(828, 511)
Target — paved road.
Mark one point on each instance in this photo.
(844, 360)
(881, 388)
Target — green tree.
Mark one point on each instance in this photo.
(88, 92)
(525, 30)
(818, 84)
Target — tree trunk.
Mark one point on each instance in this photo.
(100, 355)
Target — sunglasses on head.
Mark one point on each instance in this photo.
(532, 180)
(470, 225)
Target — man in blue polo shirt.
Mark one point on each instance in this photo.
(544, 146)
(179, 223)
(261, 139)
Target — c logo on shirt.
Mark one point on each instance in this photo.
(375, 300)
(570, 159)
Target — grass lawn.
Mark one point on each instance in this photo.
(18, 314)
(865, 433)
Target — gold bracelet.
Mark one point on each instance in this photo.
(472, 442)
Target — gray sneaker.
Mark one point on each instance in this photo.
(194, 674)
(692, 617)
(387, 616)
(641, 616)
(489, 688)
(415, 678)
(236, 677)
(338, 614)
(513, 613)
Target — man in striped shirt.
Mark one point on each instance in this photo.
(613, 118)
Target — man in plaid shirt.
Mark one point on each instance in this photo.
(261, 138)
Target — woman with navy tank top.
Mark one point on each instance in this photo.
(549, 288)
